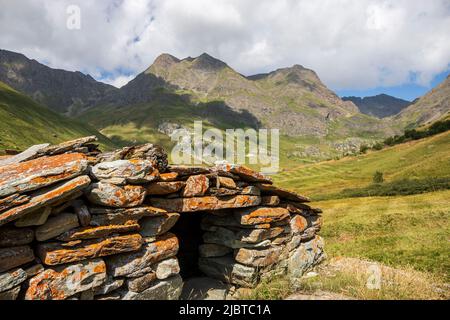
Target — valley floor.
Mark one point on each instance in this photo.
(406, 237)
(407, 231)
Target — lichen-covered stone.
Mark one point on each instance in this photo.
(258, 257)
(260, 215)
(35, 174)
(227, 220)
(11, 279)
(169, 289)
(270, 201)
(164, 188)
(61, 283)
(155, 226)
(12, 201)
(205, 203)
(108, 286)
(225, 182)
(244, 173)
(307, 255)
(164, 247)
(45, 197)
(57, 253)
(196, 186)
(188, 170)
(110, 195)
(132, 171)
(84, 233)
(168, 176)
(102, 216)
(282, 193)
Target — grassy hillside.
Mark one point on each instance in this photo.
(23, 123)
(429, 157)
(398, 231)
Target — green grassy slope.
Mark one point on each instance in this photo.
(429, 157)
(398, 231)
(23, 123)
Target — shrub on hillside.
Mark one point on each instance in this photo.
(396, 188)
(378, 177)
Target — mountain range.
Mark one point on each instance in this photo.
(314, 122)
(380, 106)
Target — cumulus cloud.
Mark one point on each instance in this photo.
(351, 44)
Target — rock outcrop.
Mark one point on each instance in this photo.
(79, 224)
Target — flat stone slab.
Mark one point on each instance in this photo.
(102, 216)
(85, 233)
(64, 282)
(12, 201)
(228, 221)
(132, 171)
(244, 173)
(258, 257)
(35, 218)
(10, 294)
(162, 270)
(282, 193)
(66, 146)
(228, 270)
(140, 262)
(169, 289)
(13, 237)
(196, 186)
(46, 197)
(11, 279)
(261, 215)
(39, 173)
(205, 203)
(57, 253)
(155, 226)
(188, 170)
(110, 195)
(56, 225)
(25, 155)
(14, 257)
(164, 188)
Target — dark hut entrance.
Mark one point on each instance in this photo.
(189, 234)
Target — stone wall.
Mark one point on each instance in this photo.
(76, 223)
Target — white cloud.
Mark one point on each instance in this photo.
(117, 81)
(351, 44)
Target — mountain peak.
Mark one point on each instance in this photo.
(165, 60)
(207, 62)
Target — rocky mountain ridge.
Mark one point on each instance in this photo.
(379, 106)
(62, 91)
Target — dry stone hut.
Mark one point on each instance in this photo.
(76, 223)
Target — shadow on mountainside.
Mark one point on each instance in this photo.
(148, 102)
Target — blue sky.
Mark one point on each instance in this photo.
(409, 91)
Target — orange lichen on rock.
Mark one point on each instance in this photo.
(41, 172)
(55, 253)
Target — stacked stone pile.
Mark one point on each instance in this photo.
(76, 223)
